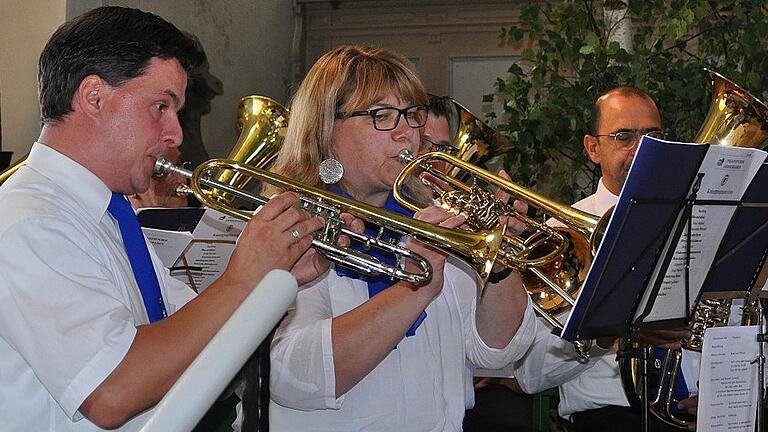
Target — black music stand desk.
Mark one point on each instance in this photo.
(646, 274)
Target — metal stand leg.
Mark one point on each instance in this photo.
(761, 337)
(644, 369)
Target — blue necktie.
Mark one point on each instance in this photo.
(138, 255)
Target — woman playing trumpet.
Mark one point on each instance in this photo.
(357, 353)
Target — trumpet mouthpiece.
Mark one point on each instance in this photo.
(162, 167)
(406, 156)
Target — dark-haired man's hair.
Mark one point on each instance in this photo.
(115, 43)
(444, 106)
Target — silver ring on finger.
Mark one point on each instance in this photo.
(295, 236)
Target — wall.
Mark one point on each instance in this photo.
(25, 26)
(248, 48)
(247, 42)
(453, 44)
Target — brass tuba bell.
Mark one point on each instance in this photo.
(735, 118)
(262, 123)
(475, 140)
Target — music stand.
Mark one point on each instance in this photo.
(661, 277)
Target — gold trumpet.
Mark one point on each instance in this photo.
(477, 249)
(553, 260)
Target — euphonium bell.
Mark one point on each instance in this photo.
(473, 141)
(477, 249)
(262, 123)
(735, 117)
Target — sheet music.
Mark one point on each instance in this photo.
(168, 244)
(725, 174)
(208, 254)
(194, 243)
(635, 257)
(728, 378)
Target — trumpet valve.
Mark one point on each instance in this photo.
(183, 190)
(479, 207)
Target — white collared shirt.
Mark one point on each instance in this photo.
(425, 384)
(552, 361)
(69, 304)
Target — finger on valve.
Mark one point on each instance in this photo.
(439, 216)
(277, 206)
(354, 224)
(501, 194)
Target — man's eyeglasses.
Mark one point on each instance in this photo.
(626, 139)
(387, 118)
(430, 145)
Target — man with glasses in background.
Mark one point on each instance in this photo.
(441, 127)
(591, 392)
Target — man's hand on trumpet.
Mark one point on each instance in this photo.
(275, 238)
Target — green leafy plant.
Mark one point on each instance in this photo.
(569, 58)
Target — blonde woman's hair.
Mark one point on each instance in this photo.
(346, 79)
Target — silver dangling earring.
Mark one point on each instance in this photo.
(331, 170)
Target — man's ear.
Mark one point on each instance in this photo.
(89, 97)
(590, 145)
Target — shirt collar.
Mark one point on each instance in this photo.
(83, 186)
(604, 198)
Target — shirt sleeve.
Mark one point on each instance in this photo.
(551, 361)
(60, 310)
(302, 371)
(464, 285)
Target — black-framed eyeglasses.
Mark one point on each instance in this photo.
(387, 118)
(628, 138)
(442, 148)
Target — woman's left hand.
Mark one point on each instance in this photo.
(437, 216)
(312, 264)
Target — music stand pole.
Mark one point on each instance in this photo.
(761, 337)
(646, 402)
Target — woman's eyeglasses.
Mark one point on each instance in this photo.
(387, 118)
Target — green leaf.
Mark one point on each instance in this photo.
(587, 49)
(547, 102)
